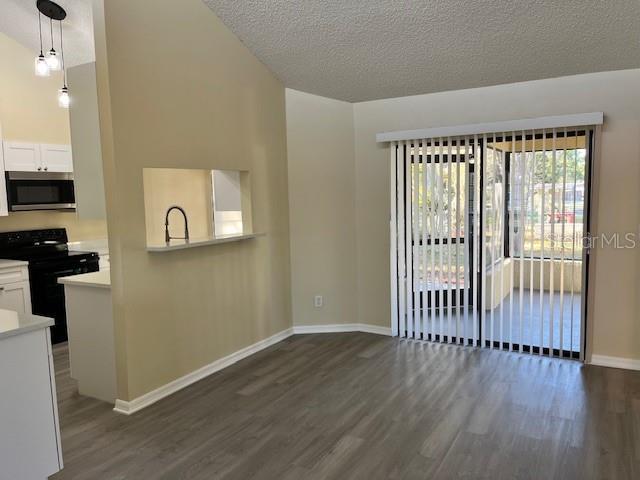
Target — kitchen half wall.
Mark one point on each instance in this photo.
(202, 101)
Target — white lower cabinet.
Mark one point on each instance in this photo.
(16, 296)
(30, 446)
(14, 288)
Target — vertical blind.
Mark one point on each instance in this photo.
(487, 239)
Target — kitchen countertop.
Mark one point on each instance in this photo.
(14, 323)
(12, 263)
(101, 279)
(100, 245)
(180, 244)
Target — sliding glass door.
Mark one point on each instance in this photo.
(545, 225)
(435, 288)
(486, 239)
(442, 184)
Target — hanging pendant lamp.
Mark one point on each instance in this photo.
(42, 67)
(52, 61)
(52, 56)
(63, 94)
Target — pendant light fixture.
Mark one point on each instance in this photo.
(63, 93)
(42, 67)
(53, 62)
(52, 56)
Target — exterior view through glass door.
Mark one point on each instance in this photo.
(440, 178)
(487, 239)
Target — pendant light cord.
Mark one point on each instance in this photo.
(51, 28)
(40, 29)
(64, 70)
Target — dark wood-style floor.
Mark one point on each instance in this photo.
(361, 406)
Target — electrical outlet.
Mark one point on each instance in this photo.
(318, 301)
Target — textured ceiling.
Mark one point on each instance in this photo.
(19, 20)
(363, 50)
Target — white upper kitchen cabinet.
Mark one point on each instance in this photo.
(56, 158)
(37, 157)
(21, 156)
(4, 207)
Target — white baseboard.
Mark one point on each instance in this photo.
(615, 362)
(341, 327)
(129, 407)
(132, 406)
(363, 327)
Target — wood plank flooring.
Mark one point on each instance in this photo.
(362, 406)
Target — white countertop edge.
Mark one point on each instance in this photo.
(99, 279)
(7, 263)
(27, 323)
(181, 244)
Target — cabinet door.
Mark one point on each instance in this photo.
(56, 158)
(16, 296)
(4, 208)
(21, 157)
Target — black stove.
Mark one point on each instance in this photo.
(49, 259)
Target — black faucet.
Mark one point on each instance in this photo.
(167, 237)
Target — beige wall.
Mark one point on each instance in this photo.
(29, 111)
(188, 188)
(320, 149)
(29, 108)
(76, 229)
(614, 323)
(177, 89)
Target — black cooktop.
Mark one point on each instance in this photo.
(43, 255)
(49, 258)
(46, 255)
(39, 247)
(35, 245)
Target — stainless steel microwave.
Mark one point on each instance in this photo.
(40, 191)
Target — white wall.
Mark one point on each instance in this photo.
(615, 327)
(85, 141)
(570, 270)
(320, 151)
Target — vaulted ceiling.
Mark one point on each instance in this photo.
(359, 50)
(19, 20)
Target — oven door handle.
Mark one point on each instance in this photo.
(64, 273)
